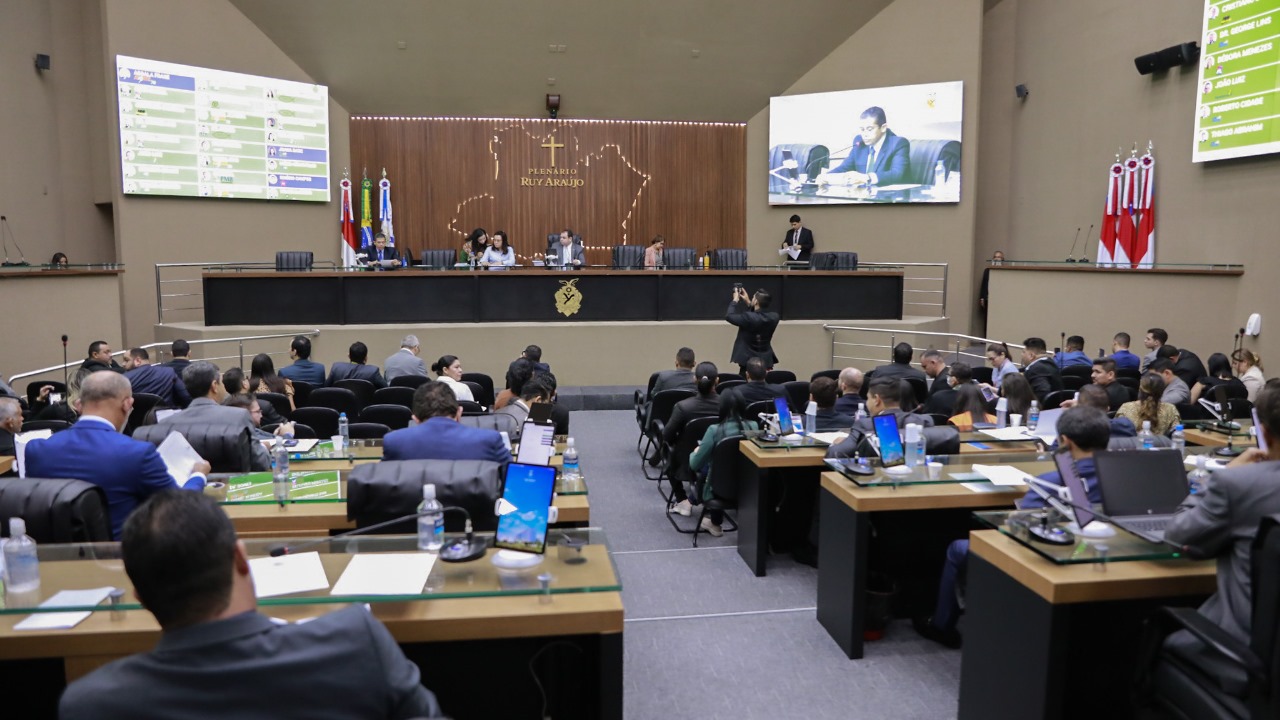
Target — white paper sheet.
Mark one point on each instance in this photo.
(1009, 433)
(1047, 427)
(385, 574)
(287, 574)
(20, 448)
(1210, 463)
(981, 487)
(178, 456)
(1002, 474)
(65, 620)
(830, 438)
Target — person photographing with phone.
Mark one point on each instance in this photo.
(756, 325)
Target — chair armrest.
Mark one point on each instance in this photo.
(1217, 640)
(659, 428)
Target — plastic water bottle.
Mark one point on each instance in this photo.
(1033, 416)
(22, 566)
(1197, 478)
(1002, 412)
(344, 429)
(1147, 437)
(913, 442)
(939, 176)
(862, 412)
(570, 474)
(1179, 440)
(811, 418)
(430, 525)
(280, 472)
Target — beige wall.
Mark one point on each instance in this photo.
(910, 41)
(207, 33)
(33, 340)
(1086, 101)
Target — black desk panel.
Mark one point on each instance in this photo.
(593, 295)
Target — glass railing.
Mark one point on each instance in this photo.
(34, 267)
(1120, 547)
(576, 561)
(1086, 263)
(946, 469)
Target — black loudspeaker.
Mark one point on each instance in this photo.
(1021, 91)
(42, 62)
(1187, 53)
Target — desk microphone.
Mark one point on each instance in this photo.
(4, 227)
(1071, 256)
(65, 381)
(1084, 251)
(461, 550)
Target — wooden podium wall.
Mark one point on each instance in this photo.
(616, 181)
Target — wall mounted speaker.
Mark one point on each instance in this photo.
(1021, 91)
(1187, 53)
(42, 62)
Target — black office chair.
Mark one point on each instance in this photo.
(726, 459)
(641, 401)
(472, 408)
(377, 492)
(1054, 399)
(760, 406)
(939, 419)
(477, 391)
(560, 418)
(925, 156)
(54, 425)
(436, 259)
(301, 431)
(729, 259)
(680, 258)
(1079, 371)
(660, 409)
(778, 377)
(941, 440)
(337, 399)
(497, 422)
(33, 389)
(413, 382)
(628, 257)
(294, 260)
(797, 394)
(727, 376)
(1129, 382)
(367, 430)
(362, 389)
(322, 420)
(675, 461)
(227, 448)
(279, 402)
(919, 388)
(833, 374)
(810, 160)
(142, 405)
(833, 261)
(722, 387)
(981, 373)
(1073, 383)
(301, 392)
(393, 416)
(1170, 685)
(393, 396)
(56, 510)
(1128, 373)
(661, 457)
(481, 387)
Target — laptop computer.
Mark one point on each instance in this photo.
(1077, 492)
(1141, 490)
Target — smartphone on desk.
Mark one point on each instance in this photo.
(891, 451)
(526, 493)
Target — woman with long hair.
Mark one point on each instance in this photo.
(263, 378)
(970, 408)
(732, 422)
(499, 253)
(1018, 391)
(473, 247)
(1148, 407)
(1249, 369)
(449, 371)
(1219, 374)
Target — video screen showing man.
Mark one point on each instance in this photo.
(878, 156)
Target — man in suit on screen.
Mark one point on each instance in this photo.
(878, 156)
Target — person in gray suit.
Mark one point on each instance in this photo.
(218, 657)
(204, 384)
(681, 377)
(534, 390)
(405, 361)
(569, 254)
(1221, 522)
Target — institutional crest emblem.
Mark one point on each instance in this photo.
(568, 298)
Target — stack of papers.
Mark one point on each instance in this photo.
(1009, 433)
(65, 620)
(1002, 474)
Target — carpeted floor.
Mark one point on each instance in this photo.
(707, 639)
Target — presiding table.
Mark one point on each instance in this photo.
(467, 616)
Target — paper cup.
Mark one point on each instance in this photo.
(935, 470)
(1015, 420)
(338, 446)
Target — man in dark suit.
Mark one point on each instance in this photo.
(679, 378)
(100, 358)
(943, 401)
(158, 380)
(900, 368)
(218, 655)
(878, 156)
(1039, 368)
(800, 237)
(204, 384)
(567, 254)
(10, 425)
(756, 326)
(1186, 364)
(358, 353)
(851, 380)
(378, 252)
(1222, 522)
(822, 391)
(438, 434)
(93, 450)
(756, 389)
(935, 372)
(303, 367)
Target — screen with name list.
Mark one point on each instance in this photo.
(1237, 111)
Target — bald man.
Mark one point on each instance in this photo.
(93, 450)
(850, 385)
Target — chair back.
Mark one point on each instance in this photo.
(1240, 408)
(560, 418)
(497, 422)
(691, 434)
(362, 389)
(367, 430)
(54, 425)
(472, 408)
(33, 389)
(925, 156)
(919, 388)
(377, 492)
(760, 406)
(413, 382)
(1073, 383)
(797, 394)
(142, 404)
(279, 401)
(393, 395)
(810, 160)
(664, 403)
(729, 384)
(1265, 561)
(1128, 373)
(777, 377)
(833, 374)
(628, 257)
(729, 259)
(56, 510)
(481, 387)
(1080, 371)
(395, 417)
(1054, 399)
(338, 399)
(227, 448)
(301, 392)
(322, 420)
(942, 440)
(680, 258)
(302, 432)
(981, 373)
(438, 259)
(723, 377)
(294, 260)
(726, 461)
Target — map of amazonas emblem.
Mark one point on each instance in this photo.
(568, 298)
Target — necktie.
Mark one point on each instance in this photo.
(871, 161)
(379, 256)
(796, 240)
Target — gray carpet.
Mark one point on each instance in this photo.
(707, 639)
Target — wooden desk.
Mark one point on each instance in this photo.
(6, 463)
(755, 476)
(1054, 640)
(931, 515)
(1241, 438)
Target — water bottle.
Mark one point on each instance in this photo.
(1179, 440)
(280, 472)
(939, 176)
(1147, 437)
(1197, 478)
(862, 412)
(913, 442)
(1033, 416)
(570, 474)
(1002, 412)
(21, 564)
(431, 524)
(811, 418)
(344, 429)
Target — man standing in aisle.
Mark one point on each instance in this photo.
(755, 327)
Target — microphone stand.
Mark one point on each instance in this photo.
(4, 228)
(65, 381)
(1084, 252)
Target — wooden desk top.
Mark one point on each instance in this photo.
(536, 270)
(1209, 438)
(1063, 584)
(914, 497)
(6, 463)
(800, 457)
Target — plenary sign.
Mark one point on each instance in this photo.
(197, 132)
(1237, 111)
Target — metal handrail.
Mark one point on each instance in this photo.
(121, 353)
(894, 332)
(944, 280)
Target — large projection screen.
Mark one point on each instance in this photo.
(1237, 111)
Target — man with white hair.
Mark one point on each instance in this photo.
(405, 361)
(93, 450)
(10, 424)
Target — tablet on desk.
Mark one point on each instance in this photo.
(526, 499)
(537, 442)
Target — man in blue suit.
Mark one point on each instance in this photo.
(303, 367)
(93, 450)
(878, 156)
(439, 435)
